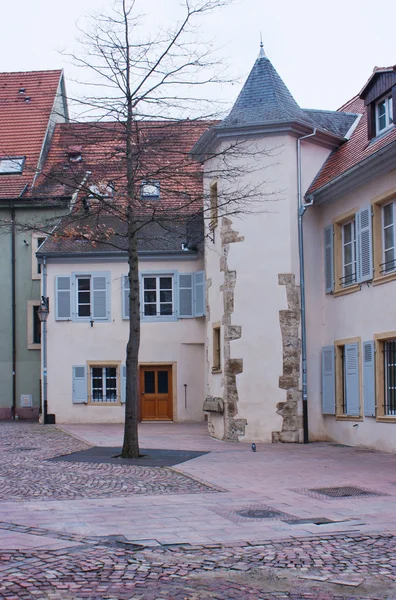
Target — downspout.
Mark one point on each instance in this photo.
(301, 210)
(13, 311)
(44, 342)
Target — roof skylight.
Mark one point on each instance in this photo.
(9, 166)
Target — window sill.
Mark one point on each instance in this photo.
(348, 418)
(384, 278)
(385, 419)
(216, 370)
(347, 290)
(89, 403)
(34, 346)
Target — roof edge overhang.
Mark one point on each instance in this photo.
(377, 164)
(115, 256)
(204, 146)
(26, 202)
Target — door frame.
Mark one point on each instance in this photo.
(172, 384)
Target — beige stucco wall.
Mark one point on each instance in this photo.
(269, 248)
(369, 311)
(180, 343)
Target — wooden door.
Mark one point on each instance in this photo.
(156, 393)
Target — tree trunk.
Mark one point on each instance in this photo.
(130, 447)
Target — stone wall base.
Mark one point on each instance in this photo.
(24, 414)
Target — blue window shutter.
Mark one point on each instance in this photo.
(199, 294)
(63, 298)
(328, 381)
(364, 244)
(369, 378)
(352, 388)
(80, 394)
(123, 383)
(101, 296)
(329, 259)
(186, 295)
(125, 297)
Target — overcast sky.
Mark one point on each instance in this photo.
(324, 51)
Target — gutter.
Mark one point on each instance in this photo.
(301, 211)
(13, 312)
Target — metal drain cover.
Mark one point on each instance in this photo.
(258, 513)
(314, 521)
(344, 492)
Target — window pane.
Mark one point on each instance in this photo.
(149, 385)
(150, 283)
(162, 382)
(83, 283)
(348, 253)
(150, 296)
(165, 283)
(84, 310)
(390, 109)
(381, 122)
(166, 296)
(389, 260)
(36, 326)
(97, 384)
(111, 384)
(84, 297)
(388, 237)
(150, 310)
(347, 233)
(388, 214)
(166, 309)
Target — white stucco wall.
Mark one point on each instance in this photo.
(364, 313)
(180, 343)
(270, 248)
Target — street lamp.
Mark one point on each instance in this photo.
(42, 313)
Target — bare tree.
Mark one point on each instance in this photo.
(134, 144)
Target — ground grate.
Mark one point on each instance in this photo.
(347, 491)
(259, 513)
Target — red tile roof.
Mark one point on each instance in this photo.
(24, 117)
(163, 156)
(355, 150)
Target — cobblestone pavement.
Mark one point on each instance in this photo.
(26, 474)
(337, 567)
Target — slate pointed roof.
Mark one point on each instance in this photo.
(264, 99)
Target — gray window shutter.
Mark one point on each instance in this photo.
(186, 281)
(352, 388)
(80, 394)
(199, 294)
(329, 259)
(125, 297)
(63, 298)
(123, 383)
(364, 244)
(101, 296)
(328, 381)
(369, 379)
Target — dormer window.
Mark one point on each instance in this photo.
(150, 190)
(384, 113)
(10, 166)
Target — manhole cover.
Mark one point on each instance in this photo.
(314, 521)
(344, 492)
(258, 513)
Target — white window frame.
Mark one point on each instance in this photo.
(388, 113)
(386, 270)
(86, 317)
(158, 276)
(150, 190)
(388, 412)
(104, 365)
(354, 277)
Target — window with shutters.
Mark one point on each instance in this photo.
(384, 234)
(385, 375)
(82, 297)
(348, 378)
(33, 325)
(383, 114)
(348, 252)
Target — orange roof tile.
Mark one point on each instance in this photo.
(24, 117)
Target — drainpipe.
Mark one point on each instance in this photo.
(13, 311)
(301, 210)
(44, 342)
